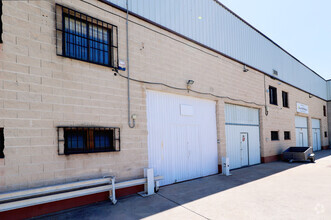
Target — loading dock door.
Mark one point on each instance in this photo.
(182, 138)
(242, 131)
(316, 131)
(301, 131)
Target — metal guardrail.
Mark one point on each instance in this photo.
(43, 194)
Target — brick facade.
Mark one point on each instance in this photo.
(40, 90)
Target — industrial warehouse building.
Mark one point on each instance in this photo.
(204, 84)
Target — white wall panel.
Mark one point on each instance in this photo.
(181, 146)
(300, 122)
(301, 135)
(237, 114)
(316, 132)
(239, 119)
(301, 131)
(316, 123)
(316, 139)
(233, 150)
(223, 31)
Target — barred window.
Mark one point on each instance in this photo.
(73, 140)
(85, 38)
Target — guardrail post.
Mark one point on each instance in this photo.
(113, 195)
(226, 166)
(150, 184)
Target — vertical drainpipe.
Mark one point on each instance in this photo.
(265, 98)
(133, 124)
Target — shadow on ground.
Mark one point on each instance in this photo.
(136, 207)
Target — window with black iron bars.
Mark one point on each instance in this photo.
(89, 139)
(85, 38)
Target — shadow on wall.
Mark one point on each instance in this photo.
(136, 207)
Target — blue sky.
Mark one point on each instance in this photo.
(302, 27)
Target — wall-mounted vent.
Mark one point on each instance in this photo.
(275, 72)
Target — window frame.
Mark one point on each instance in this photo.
(324, 110)
(289, 135)
(271, 133)
(61, 41)
(87, 144)
(285, 100)
(325, 134)
(273, 99)
(72, 132)
(109, 135)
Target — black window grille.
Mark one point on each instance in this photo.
(76, 140)
(285, 99)
(274, 136)
(82, 37)
(273, 95)
(287, 135)
(2, 143)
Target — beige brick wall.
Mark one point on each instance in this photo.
(40, 90)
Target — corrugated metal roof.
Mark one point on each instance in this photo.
(212, 24)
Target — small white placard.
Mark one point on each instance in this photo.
(302, 108)
(186, 110)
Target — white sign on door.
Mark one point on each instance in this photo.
(186, 110)
(302, 108)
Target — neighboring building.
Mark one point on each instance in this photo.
(206, 85)
(328, 110)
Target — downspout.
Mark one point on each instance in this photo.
(133, 124)
(265, 98)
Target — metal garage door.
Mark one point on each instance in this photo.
(316, 127)
(301, 131)
(242, 130)
(182, 138)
